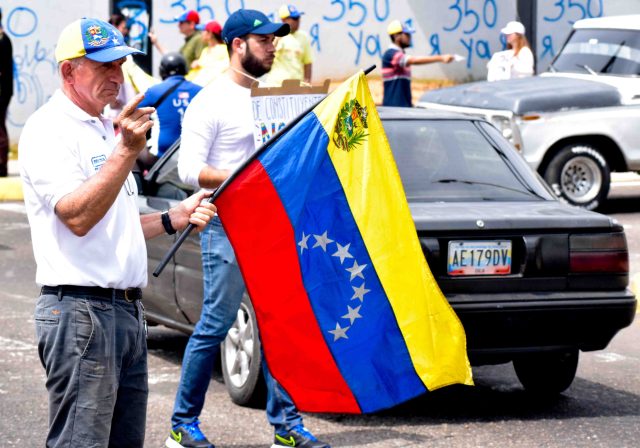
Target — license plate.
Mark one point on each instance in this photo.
(479, 258)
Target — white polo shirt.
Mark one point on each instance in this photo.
(60, 147)
(217, 130)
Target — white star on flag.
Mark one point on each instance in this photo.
(339, 332)
(353, 314)
(303, 242)
(322, 241)
(359, 292)
(115, 41)
(343, 252)
(356, 270)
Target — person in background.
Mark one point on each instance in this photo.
(396, 65)
(88, 240)
(515, 62)
(136, 80)
(193, 44)
(294, 57)
(214, 59)
(170, 99)
(217, 137)
(6, 92)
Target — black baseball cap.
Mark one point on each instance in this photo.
(250, 21)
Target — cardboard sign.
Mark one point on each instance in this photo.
(274, 107)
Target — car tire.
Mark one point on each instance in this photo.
(547, 374)
(242, 361)
(579, 175)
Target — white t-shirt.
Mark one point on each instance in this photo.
(61, 146)
(217, 130)
(505, 65)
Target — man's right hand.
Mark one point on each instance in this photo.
(446, 58)
(134, 123)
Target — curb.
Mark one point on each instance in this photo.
(634, 285)
(11, 189)
(11, 186)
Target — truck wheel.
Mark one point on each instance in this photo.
(242, 361)
(579, 175)
(547, 374)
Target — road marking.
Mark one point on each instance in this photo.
(173, 378)
(7, 344)
(17, 207)
(609, 357)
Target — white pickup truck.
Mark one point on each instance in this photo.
(575, 123)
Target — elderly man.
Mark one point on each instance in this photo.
(88, 242)
(217, 137)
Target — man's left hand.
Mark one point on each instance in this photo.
(196, 209)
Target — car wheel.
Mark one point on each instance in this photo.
(547, 374)
(241, 359)
(579, 175)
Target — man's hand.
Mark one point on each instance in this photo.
(446, 58)
(134, 123)
(195, 210)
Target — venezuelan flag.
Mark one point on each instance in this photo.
(350, 317)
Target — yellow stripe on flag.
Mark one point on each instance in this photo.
(365, 166)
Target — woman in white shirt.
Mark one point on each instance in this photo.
(517, 61)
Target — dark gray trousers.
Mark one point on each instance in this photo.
(94, 352)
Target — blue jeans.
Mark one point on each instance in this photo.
(223, 291)
(94, 352)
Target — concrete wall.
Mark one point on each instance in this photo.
(34, 26)
(346, 34)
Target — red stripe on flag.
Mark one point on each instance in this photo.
(262, 236)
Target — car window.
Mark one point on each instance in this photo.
(601, 51)
(451, 160)
(162, 179)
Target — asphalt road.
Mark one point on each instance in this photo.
(600, 409)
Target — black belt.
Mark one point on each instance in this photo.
(129, 294)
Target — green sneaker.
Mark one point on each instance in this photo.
(298, 437)
(187, 436)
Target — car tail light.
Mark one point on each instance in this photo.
(602, 253)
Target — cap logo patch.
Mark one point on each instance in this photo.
(96, 36)
(256, 23)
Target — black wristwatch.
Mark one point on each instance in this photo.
(166, 223)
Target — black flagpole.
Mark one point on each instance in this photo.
(185, 234)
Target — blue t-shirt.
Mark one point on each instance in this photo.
(396, 77)
(170, 112)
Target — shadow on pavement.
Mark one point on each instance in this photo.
(497, 396)
(620, 205)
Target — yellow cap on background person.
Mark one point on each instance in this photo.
(94, 39)
(289, 11)
(397, 26)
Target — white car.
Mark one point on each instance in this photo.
(575, 123)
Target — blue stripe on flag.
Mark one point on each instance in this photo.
(347, 298)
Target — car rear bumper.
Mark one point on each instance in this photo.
(499, 329)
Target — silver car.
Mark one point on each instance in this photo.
(575, 123)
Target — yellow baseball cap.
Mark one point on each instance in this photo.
(396, 27)
(287, 11)
(94, 39)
